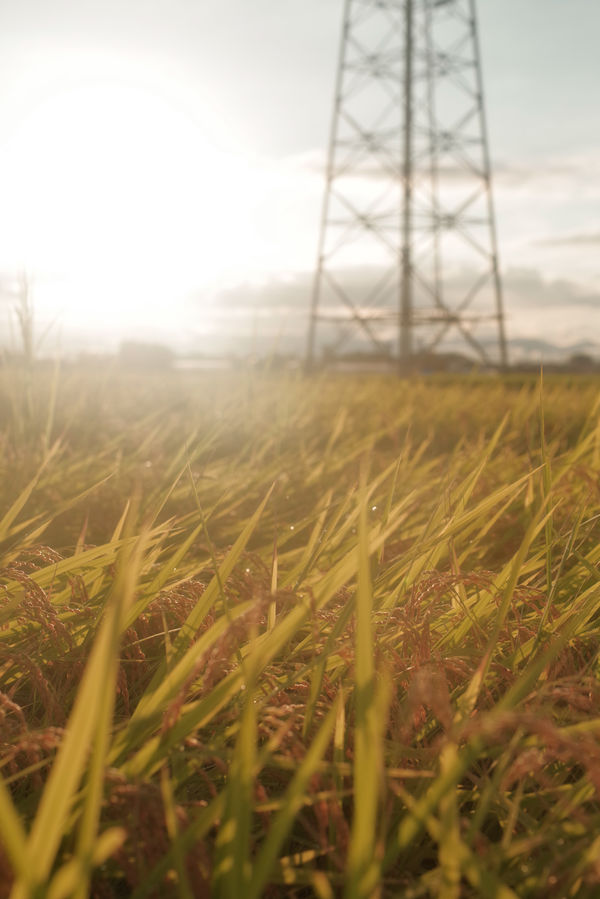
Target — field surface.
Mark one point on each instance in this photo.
(263, 635)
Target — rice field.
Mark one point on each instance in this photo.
(267, 635)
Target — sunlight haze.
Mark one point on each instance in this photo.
(159, 160)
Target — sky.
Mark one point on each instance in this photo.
(161, 166)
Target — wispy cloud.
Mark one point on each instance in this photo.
(581, 239)
(557, 175)
(561, 311)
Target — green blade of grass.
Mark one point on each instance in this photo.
(467, 701)
(213, 590)
(205, 820)
(68, 880)
(546, 487)
(136, 736)
(363, 871)
(291, 804)
(232, 869)
(13, 836)
(89, 723)
(170, 676)
(19, 503)
(129, 567)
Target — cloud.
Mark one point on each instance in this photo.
(558, 312)
(560, 171)
(581, 239)
(572, 176)
(527, 286)
(290, 293)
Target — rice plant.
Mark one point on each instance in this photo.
(277, 636)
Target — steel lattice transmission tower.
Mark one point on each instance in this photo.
(408, 257)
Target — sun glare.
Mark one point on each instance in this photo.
(120, 205)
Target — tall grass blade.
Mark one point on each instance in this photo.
(12, 835)
(88, 727)
(232, 858)
(291, 804)
(19, 503)
(363, 871)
